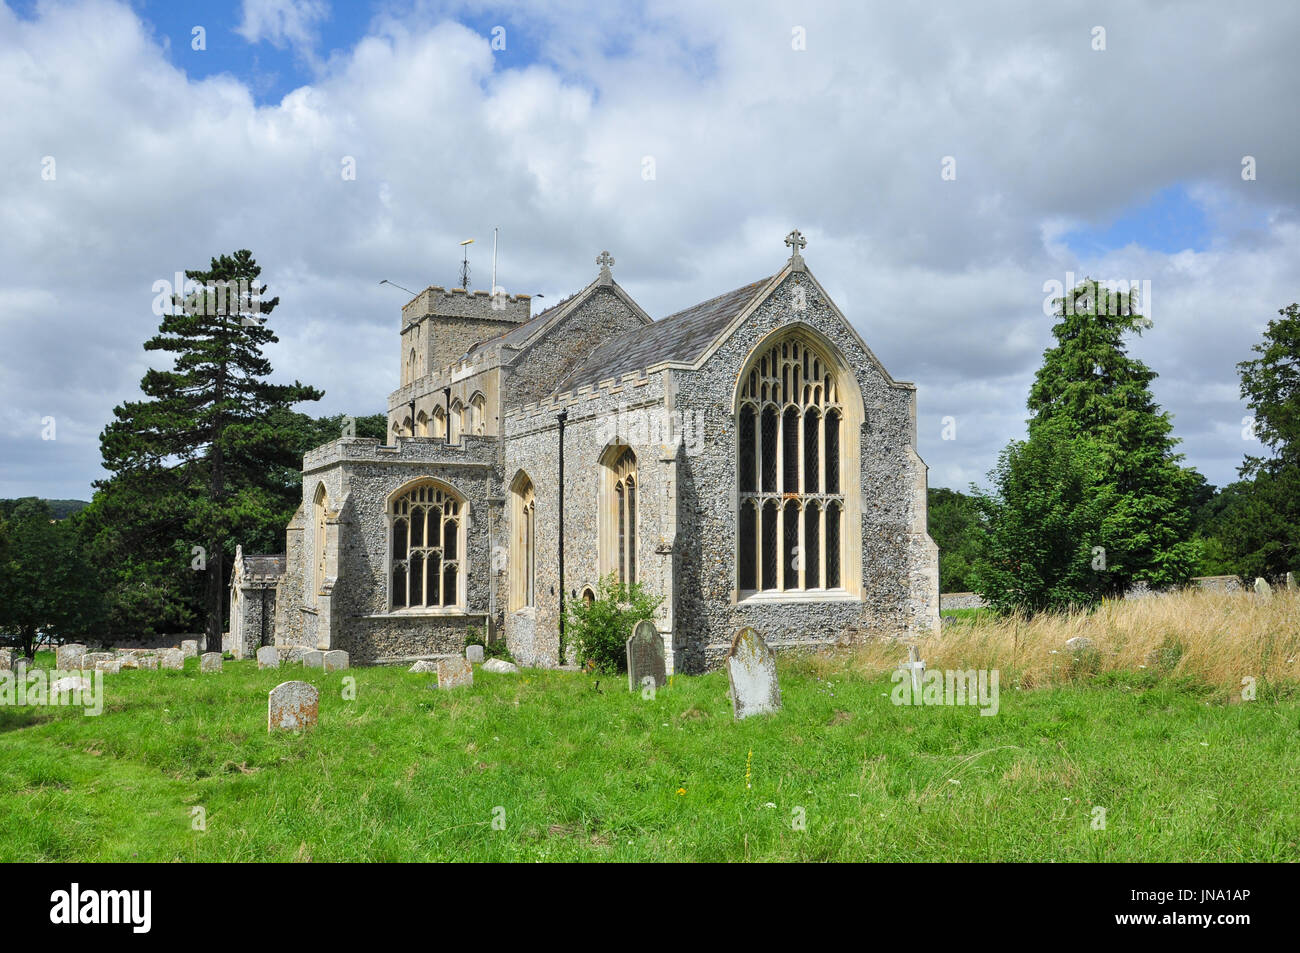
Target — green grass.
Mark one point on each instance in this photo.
(969, 615)
(404, 772)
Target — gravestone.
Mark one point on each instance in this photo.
(268, 656)
(423, 667)
(173, 659)
(292, 653)
(71, 683)
(1290, 581)
(128, 661)
(7, 657)
(20, 665)
(292, 706)
(149, 662)
(474, 653)
(454, 672)
(313, 658)
(751, 670)
(190, 648)
(92, 659)
(68, 656)
(1262, 588)
(1079, 645)
(335, 660)
(500, 666)
(210, 662)
(645, 656)
(109, 666)
(916, 666)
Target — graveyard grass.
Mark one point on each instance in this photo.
(575, 767)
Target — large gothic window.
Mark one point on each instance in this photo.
(618, 506)
(792, 503)
(427, 529)
(320, 505)
(523, 543)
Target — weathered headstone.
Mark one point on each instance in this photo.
(1262, 588)
(68, 656)
(127, 660)
(645, 656)
(190, 648)
(92, 659)
(292, 706)
(149, 662)
(173, 659)
(751, 670)
(210, 662)
(109, 666)
(313, 658)
(334, 660)
(268, 656)
(474, 653)
(423, 667)
(7, 657)
(1290, 581)
(454, 672)
(1079, 645)
(20, 665)
(292, 653)
(500, 666)
(71, 683)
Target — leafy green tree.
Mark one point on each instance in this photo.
(599, 629)
(1260, 527)
(46, 587)
(200, 462)
(1091, 404)
(1046, 510)
(956, 529)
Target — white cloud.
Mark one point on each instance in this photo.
(284, 23)
(157, 172)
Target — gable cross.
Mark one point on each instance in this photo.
(796, 241)
(605, 260)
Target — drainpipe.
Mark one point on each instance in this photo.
(562, 416)
(446, 427)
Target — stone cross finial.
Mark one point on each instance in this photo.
(605, 260)
(796, 241)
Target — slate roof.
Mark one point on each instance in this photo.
(264, 565)
(683, 336)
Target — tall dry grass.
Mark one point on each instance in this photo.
(1216, 638)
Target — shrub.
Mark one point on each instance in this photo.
(497, 649)
(599, 629)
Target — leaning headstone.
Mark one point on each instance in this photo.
(268, 656)
(334, 660)
(68, 656)
(500, 666)
(210, 662)
(173, 659)
(474, 653)
(423, 667)
(190, 648)
(292, 706)
(1290, 581)
(1262, 588)
(645, 656)
(313, 658)
(454, 672)
(751, 670)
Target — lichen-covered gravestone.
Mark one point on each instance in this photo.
(454, 672)
(313, 658)
(149, 662)
(190, 648)
(423, 667)
(171, 659)
(751, 670)
(268, 656)
(68, 656)
(474, 653)
(645, 656)
(335, 660)
(1262, 588)
(1290, 582)
(292, 706)
(210, 662)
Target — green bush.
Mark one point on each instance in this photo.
(497, 649)
(599, 629)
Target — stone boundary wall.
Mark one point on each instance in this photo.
(971, 600)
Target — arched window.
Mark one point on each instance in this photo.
(523, 543)
(478, 413)
(618, 507)
(427, 531)
(320, 507)
(457, 421)
(439, 422)
(789, 469)
(422, 424)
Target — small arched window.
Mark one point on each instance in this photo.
(478, 413)
(320, 508)
(457, 421)
(618, 529)
(439, 422)
(523, 543)
(422, 424)
(427, 533)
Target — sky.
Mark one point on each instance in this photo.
(947, 163)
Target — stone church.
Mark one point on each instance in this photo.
(747, 460)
